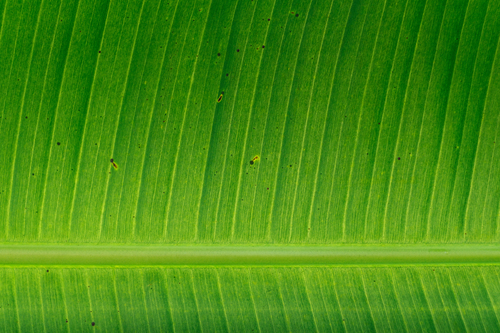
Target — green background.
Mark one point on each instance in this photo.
(375, 123)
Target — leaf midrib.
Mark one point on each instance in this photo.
(138, 254)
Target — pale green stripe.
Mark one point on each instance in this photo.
(50, 254)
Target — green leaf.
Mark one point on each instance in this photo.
(249, 165)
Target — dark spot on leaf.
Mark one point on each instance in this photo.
(58, 143)
(227, 74)
(263, 46)
(238, 50)
(218, 54)
(111, 160)
(296, 15)
(399, 158)
(251, 162)
(47, 271)
(93, 324)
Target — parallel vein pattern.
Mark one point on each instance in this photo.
(245, 299)
(373, 121)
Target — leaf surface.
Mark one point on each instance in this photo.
(131, 199)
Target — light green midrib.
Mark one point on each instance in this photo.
(50, 254)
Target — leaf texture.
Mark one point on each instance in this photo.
(306, 299)
(134, 123)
